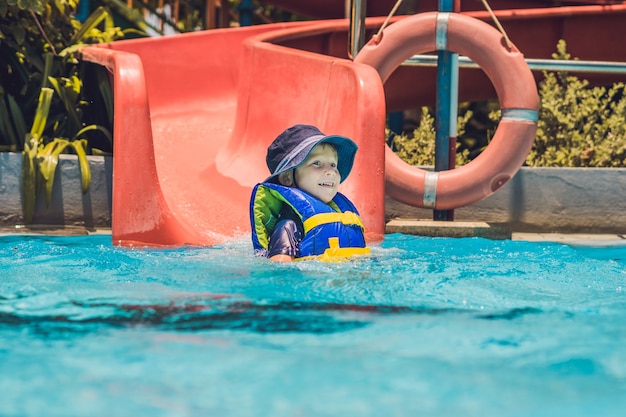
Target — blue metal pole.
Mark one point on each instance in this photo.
(246, 9)
(83, 11)
(447, 101)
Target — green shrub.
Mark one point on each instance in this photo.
(419, 148)
(579, 126)
(44, 108)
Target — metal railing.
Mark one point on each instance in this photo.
(604, 67)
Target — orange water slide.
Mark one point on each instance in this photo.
(194, 113)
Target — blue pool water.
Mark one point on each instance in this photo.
(425, 327)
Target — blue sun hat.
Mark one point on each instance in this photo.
(290, 149)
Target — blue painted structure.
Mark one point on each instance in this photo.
(446, 105)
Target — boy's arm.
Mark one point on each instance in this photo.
(284, 243)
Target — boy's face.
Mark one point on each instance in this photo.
(318, 174)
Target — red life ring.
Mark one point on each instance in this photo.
(514, 85)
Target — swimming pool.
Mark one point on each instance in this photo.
(425, 327)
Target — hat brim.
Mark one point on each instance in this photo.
(346, 151)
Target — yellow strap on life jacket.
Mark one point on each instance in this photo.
(335, 253)
(346, 217)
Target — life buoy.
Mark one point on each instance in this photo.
(515, 88)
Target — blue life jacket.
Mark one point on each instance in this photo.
(332, 231)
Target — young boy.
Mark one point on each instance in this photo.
(297, 212)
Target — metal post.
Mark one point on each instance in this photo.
(357, 26)
(209, 15)
(246, 10)
(446, 108)
(83, 11)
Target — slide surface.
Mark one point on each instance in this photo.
(194, 113)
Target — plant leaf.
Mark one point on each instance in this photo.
(49, 160)
(85, 170)
(47, 69)
(18, 120)
(104, 86)
(29, 178)
(68, 90)
(6, 127)
(86, 129)
(92, 21)
(41, 115)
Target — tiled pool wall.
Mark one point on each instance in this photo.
(565, 200)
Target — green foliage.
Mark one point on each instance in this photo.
(419, 149)
(41, 85)
(42, 158)
(579, 126)
(265, 13)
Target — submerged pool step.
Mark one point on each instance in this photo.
(448, 228)
(497, 231)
